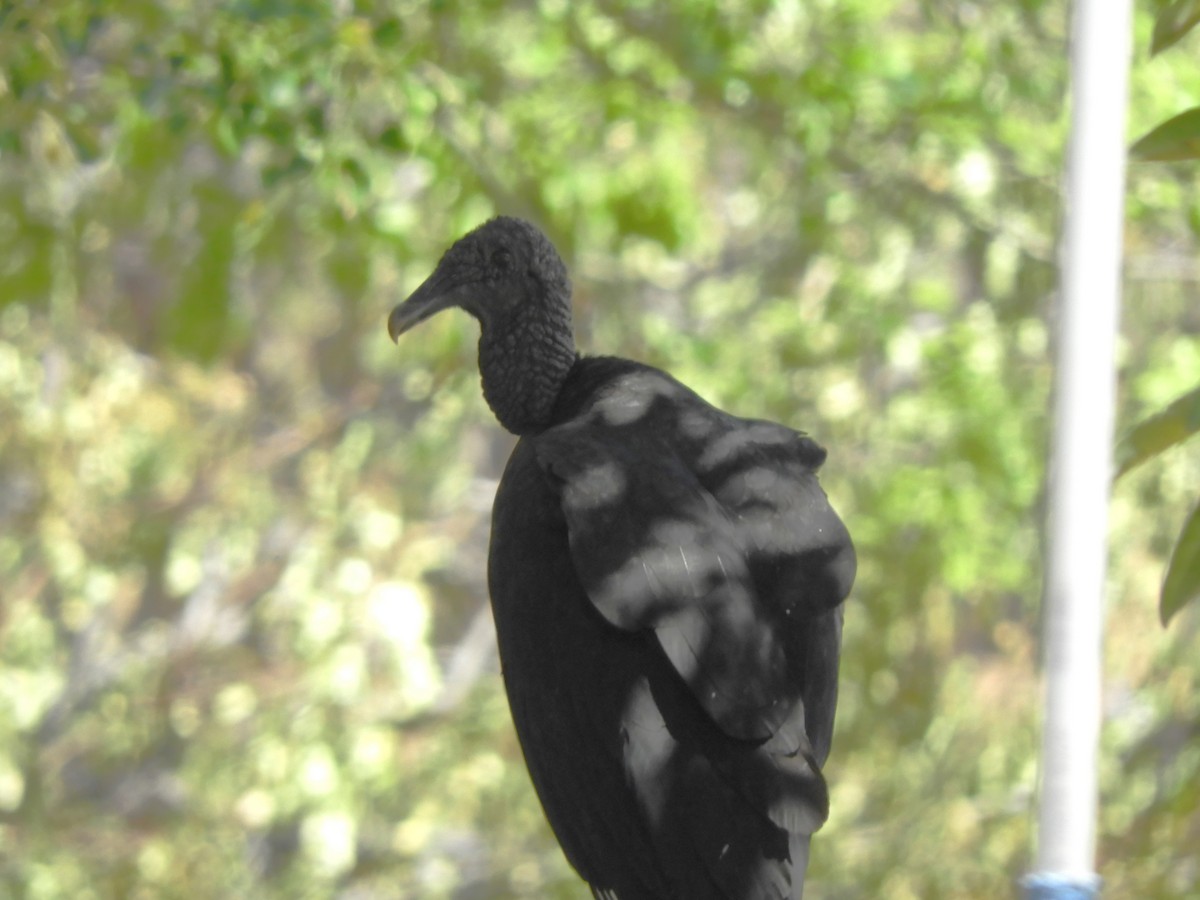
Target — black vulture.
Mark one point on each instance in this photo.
(667, 583)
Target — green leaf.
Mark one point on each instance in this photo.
(1163, 430)
(1175, 139)
(359, 177)
(274, 174)
(388, 33)
(1173, 23)
(200, 321)
(392, 139)
(1182, 582)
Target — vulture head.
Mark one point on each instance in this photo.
(504, 270)
(508, 275)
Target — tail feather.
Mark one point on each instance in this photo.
(798, 846)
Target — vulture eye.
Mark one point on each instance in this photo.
(502, 260)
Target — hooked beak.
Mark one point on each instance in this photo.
(431, 297)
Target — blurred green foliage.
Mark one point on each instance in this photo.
(1178, 138)
(244, 645)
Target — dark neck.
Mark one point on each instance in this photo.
(523, 365)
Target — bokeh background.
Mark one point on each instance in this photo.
(245, 647)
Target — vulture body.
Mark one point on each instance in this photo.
(666, 581)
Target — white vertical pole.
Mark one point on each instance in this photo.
(1082, 451)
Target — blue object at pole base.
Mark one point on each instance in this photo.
(1049, 886)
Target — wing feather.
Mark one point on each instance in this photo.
(719, 540)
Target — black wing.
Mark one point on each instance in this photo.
(713, 532)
